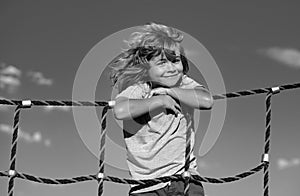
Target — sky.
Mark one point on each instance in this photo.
(44, 44)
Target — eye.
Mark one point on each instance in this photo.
(177, 60)
(161, 63)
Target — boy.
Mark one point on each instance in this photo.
(156, 101)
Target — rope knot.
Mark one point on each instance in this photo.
(186, 175)
(275, 90)
(12, 173)
(26, 104)
(265, 158)
(100, 176)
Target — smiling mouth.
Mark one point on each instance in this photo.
(171, 76)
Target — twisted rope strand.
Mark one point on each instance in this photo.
(105, 103)
(267, 142)
(187, 156)
(13, 155)
(194, 178)
(54, 103)
(255, 91)
(102, 150)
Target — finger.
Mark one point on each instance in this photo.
(158, 91)
(177, 106)
(177, 112)
(153, 92)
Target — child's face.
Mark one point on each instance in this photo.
(166, 71)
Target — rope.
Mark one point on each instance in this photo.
(54, 103)
(13, 154)
(255, 91)
(100, 177)
(91, 177)
(186, 174)
(102, 150)
(267, 142)
(105, 103)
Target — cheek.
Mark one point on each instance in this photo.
(179, 67)
(153, 73)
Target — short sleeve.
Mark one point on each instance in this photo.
(189, 83)
(132, 92)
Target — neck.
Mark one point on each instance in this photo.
(154, 85)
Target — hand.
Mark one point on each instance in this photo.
(170, 103)
(160, 91)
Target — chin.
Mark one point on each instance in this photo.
(171, 82)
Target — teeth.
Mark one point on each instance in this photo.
(171, 76)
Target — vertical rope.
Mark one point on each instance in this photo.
(187, 156)
(102, 150)
(267, 142)
(13, 155)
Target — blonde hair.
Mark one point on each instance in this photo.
(131, 66)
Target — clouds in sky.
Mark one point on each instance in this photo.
(10, 78)
(5, 108)
(57, 108)
(36, 137)
(287, 56)
(39, 79)
(284, 163)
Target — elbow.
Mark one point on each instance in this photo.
(206, 98)
(119, 112)
(208, 102)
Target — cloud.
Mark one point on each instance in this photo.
(288, 56)
(39, 79)
(284, 164)
(11, 70)
(9, 78)
(36, 137)
(58, 108)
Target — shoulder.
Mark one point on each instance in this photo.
(136, 91)
(188, 82)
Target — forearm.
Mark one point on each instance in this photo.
(130, 108)
(198, 97)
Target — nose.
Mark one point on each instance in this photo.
(170, 67)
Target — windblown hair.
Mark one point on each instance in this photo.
(131, 66)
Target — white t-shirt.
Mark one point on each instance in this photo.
(156, 142)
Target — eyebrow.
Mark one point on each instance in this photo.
(170, 52)
(166, 59)
(173, 52)
(160, 59)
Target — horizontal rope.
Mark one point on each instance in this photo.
(58, 181)
(255, 91)
(104, 103)
(54, 103)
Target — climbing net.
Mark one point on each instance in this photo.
(100, 176)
